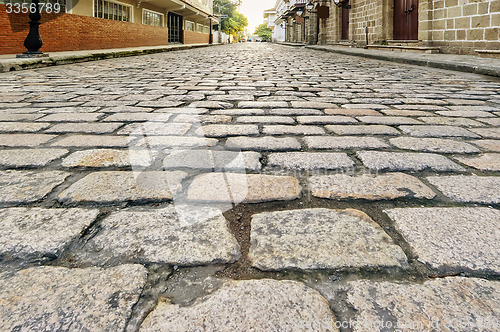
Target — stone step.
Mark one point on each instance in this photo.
(495, 54)
(406, 48)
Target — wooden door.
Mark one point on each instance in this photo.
(406, 19)
(345, 23)
(175, 30)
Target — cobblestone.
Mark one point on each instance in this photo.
(26, 127)
(212, 160)
(485, 162)
(362, 130)
(263, 143)
(438, 131)
(369, 187)
(320, 239)
(433, 145)
(488, 144)
(344, 143)
(30, 157)
(218, 130)
(406, 161)
(109, 157)
(310, 160)
(468, 189)
(24, 139)
(89, 128)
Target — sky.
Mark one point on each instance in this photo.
(253, 10)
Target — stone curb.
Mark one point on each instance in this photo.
(413, 59)
(7, 65)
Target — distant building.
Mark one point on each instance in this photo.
(104, 24)
(269, 17)
(448, 26)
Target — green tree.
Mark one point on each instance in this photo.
(264, 32)
(235, 23)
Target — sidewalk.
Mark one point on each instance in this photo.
(9, 62)
(465, 63)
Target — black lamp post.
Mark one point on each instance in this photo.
(33, 41)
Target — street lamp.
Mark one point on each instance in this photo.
(33, 41)
(310, 5)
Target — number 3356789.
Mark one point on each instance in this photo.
(25, 8)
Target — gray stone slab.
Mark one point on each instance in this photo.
(263, 143)
(239, 111)
(460, 122)
(26, 127)
(138, 117)
(351, 112)
(313, 104)
(204, 119)
(485, 162)
(175, 235)
(59, 299)
(211, 104)
(468, 189)
(294, 111)
(93, 141)
(325, 119)
(344, 143)
(466, 114)
(28, 186)
(116, 186)
(24, 139)
(362, 130)
(388, 120)
(310, 160)
(488, 132)
(27, 233)
(249, 305)
(155, 128)
(369, 187)
(165, 142)
(213, 160)
(407, 161)
(263, 104)
(80, 127)
(72, 117)
(438, 131)
(452, 239)
(19, 117)
(444, 304)
(109, 158)
(433, 145)
(488, 144)
(292, 130)
(30, 157)
(221, 130)
(243, 188)
(320, 239)
(266, 119)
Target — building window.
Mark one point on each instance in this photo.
(206, 29)
(112, 10)
(58, 6)
(199, 28)
(189, 26)
(150, 17)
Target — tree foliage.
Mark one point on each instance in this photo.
(236, 22)
(264, 32)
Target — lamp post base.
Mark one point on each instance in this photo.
(32, 55)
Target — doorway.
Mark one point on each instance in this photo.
(345, 23)
(406, 19)
(175, 28)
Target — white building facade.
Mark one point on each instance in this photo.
(279, 24)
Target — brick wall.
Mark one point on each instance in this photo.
(192, 37)
(461, 26)
(68, 32)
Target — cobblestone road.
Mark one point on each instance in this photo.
(249, 187)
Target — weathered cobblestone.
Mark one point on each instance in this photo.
(24, 139)
(362, 130)
(90, 128)
(388, 120)
(110, 157)
(468, 189)
(243, 188)
(436, 235)
(212, 160)
(266, 119)
(460, 122)
(369, 187)
(269, 304)
(36, 233)
(72, 117)
(218, 130)
(156, 129)
(344, 143)
(485, 162)
(175, 141)
(114, 187)
(93, 141)
(320, 239)
(433, 145)
(326, 119)
(263, 143)
(403, 161)
(441, 304)
(438, 131)
(25, 127)
(292, 130)
(488, 144)
(310, 160)
(73, 299)
(487, 132)
(30, 157)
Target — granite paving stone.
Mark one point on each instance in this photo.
(243, 188)
(71, 117)
(351, 112)
(25, 127)
(212, 160)
(466, 114)
(93, 141)
(30, 157)
(484, 162)
(487, 132)
(310, 160)
(269, 305)
(204, 119)
(292, 130)
(438, 131)
(407, 161)
(388, 120)
(24, 139)
(156, 129)
(263, 104)
(369, 187)
(138, 117)
(110, 157)
(263, 143)
(325, 119)
(265, 119)
(433, 145)
(81, 127)
(451, 239)
(73, 299)
(222, 130)
(320, 239)
(468, 189)
(28, 186)
(344, 142)
(444, 304)
(124, 186)
(488, 144)
(362, 130)
(36, 233)
(167, 142)
(460, 122)
(183, 235)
